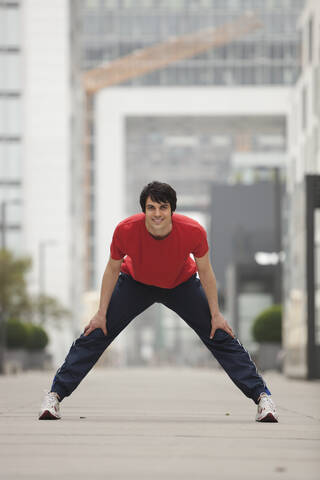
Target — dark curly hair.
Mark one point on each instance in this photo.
(158, 192)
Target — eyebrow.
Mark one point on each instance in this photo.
(164, 204)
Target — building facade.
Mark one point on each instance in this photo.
(188, 150)
(11, 124)
(301, 217)
(267, 56)
(41, 119)
(217, 111)
(35, 142)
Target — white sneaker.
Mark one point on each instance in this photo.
(266, 409)
(50, 408)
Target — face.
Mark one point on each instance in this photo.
(158, 217)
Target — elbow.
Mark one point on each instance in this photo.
(205, 273)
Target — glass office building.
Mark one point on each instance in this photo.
(268, 56)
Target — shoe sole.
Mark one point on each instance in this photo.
(46, 415)
(268, 419)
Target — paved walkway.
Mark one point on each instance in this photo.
(158, 424)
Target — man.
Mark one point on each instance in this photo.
(150, 262)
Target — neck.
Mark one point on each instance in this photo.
(159, 235)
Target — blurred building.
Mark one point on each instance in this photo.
(11, 124)
(111, 29)
(107, 30)
(35, 140)
(244, 222)
(302, 213)
(194, 122)
(169, 124)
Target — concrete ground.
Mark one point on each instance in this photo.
(158, 424)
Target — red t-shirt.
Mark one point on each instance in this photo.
(164, 263)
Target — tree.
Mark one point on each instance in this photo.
(16, 302)
(14, 298)
(49, 309)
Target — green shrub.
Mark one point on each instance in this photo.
(267, 326)
(37, 338)
(25, 335)
(16, 334)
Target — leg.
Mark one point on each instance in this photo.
(189, 301)
(129, 298)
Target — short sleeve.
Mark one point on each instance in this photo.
(116, 249)
(201, 246)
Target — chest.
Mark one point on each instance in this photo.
(144, 249)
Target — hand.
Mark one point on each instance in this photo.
(218, 321)
(98, 321)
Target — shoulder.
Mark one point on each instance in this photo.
(188, 224)
(131, 223)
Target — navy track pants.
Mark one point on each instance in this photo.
(189, 301)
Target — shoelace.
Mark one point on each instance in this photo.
(266, 402)
(51, 399)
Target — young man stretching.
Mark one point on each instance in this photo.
(150, 262)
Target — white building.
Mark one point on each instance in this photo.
(115, 106)
(11, 123)
(302, 242)
(35, 139)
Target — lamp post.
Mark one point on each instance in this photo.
(43, 244)
(4, 204)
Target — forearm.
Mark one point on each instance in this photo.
(209, 284)
(109, 281)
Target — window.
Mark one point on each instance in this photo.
(304, 108)
(10, 192)
(10, 27)
(315, 145)
(316, 91)
(310, 39)
(288, 76)
(10, 161)
(10, 66)
(10, 116)
(92, 4)
(317, 274)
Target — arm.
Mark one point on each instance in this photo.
(208, 282)
(109, 281)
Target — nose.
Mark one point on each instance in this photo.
(157, 212)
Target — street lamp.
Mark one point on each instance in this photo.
(4, 204)
(43, 244)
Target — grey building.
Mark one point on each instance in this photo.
(245, 221)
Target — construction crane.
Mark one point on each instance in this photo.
(139, 63)
(158, 56)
